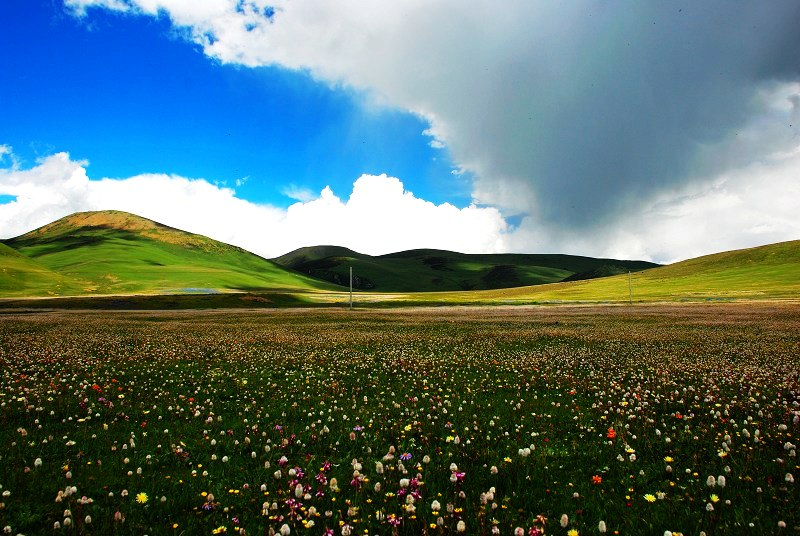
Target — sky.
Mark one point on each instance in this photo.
(640, 130)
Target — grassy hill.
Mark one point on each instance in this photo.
(111, 252)
(765, 272)
(426, 270)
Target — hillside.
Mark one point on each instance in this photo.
(765, 272)
(111, 252)
(426, 270)
(21, 276)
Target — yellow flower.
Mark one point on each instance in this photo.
(141, 498)
(714, 498)
(668, 459)
(650, 497)
(572, 532)
(219, 530)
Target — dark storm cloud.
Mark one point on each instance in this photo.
(638, 91)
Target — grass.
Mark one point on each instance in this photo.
(21, 276)
(762, 273)
(653, 418)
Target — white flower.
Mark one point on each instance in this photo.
(564, 521)
(461, 527)
(601, 526)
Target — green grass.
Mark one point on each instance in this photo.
(427, 270)
(488, 416)
(21, 276)
(761, 273)
(118, 253)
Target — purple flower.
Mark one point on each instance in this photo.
(405, 456)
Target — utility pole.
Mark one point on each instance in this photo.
(630, 288)
(351, 288)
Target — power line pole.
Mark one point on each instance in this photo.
(351, 288)
(630, 288)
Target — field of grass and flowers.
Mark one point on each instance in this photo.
(624, 420)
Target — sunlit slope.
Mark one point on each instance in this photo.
(764, 272)
(426, 270)
(21, 276)
(116, 252)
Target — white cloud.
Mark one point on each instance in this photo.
(753, 205)
(298, 193)
(380, 216)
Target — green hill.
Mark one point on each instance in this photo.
(764, 272)
(111, 252)
(426, 270)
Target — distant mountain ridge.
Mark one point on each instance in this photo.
(420, 270)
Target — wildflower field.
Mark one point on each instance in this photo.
(582, 420)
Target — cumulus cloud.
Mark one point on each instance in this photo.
(572, 114)
(380, 216)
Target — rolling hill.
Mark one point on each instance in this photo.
(116, 253)
(765, 272)
(111, 252)
(426, 270)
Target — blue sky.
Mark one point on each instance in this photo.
(639, 130)
(131, 96)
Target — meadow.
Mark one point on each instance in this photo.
(651, 419)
